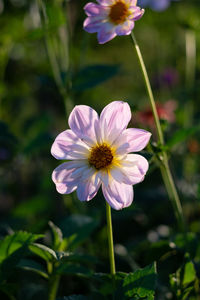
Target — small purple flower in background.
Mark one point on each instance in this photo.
(98, 152)
(169, 77)
(111, 17)
(166, 78)
(157, 5)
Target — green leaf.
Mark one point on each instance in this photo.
(182, 135)
(183, 281)
(76, 257)
(77, 228)
(43, 251)
(186, 293)
(57, 236)
(91, 76)
(141, 283)
(31, 265)
(189, 273)
(13, 242)
(66, 268)
(108, 285)
(12, 249)
(187, 242)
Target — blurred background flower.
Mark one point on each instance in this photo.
(167, 78)
(157, 5)
(166, 111)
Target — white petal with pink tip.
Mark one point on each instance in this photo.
(68, 146)
(115, 118)
(87, 189)
(132, 140)
(82, 120)
(118, 195)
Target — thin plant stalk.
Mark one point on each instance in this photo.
(110, 239)
(62, 87)
(53, 287)
(190, 68)
(163, 159)
(190, 51)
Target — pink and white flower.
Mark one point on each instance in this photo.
(97, 153)
(111, 17)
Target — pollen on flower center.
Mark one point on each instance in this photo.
(101, 156)
(118, 12)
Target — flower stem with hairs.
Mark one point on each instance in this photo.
(163, 158)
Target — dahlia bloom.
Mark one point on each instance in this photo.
(97, 150)
(111, 17)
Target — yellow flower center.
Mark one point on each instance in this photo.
(118, 12)
(101, 156)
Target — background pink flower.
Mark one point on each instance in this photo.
(97, 150)
(166, 111)
(111, 17)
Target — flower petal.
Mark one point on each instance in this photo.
(106, 2)
(82, 121)
(62, 188)
(134, 167)
(105, 177)
(135, 13)
(66, 176)
(106, 33)
(133, 2)
(118, 174)
(114, 119)
(125, 28)
(132, 140)
(92, 9)
(93, 24)
(118, 195)
(67, 145)
(87, 189)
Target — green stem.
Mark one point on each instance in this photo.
(190, 68)
(110, 239)
(53, 287)
(164, 165)
(54, 62)
(172, 192)
(149, 90)
(190, 50)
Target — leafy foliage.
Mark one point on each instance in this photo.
(184, 282)
(77, 228)
(12, 249)
(141, 283)
(91, 76)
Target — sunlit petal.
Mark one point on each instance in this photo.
(118, 195)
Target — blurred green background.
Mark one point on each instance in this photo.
(34, 109)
